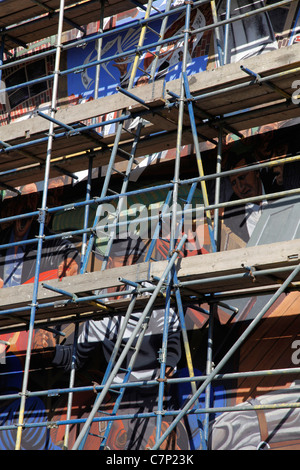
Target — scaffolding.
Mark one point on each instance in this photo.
(148, 113)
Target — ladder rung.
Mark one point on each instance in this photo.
(156, 9)
(112, 192)
(112, 214)
(144, 72)
(152, 53)
(118, 171)
(124, 153)
(112, 390)
(129, 131)
(132, 348)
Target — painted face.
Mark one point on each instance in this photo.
(246, 184)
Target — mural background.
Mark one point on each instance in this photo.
(270, 345)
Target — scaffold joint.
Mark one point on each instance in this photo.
(251, 270)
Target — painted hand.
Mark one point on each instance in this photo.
(43, 339)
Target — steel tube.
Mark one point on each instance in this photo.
(128, 345)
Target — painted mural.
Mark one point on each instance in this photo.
(259, 34)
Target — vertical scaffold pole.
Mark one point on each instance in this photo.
(209, 366)
(199, 159)
(99, 51)
(71, 385)
(217, 32)
(41, 230)
(226, 34)
(140, 44)
(217, 189)
(2, 96)
(86, 209)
